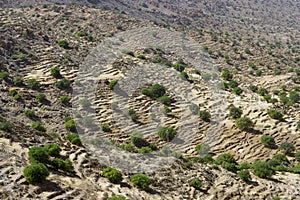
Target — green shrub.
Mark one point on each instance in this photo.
(287, 147)
(281, 159)
(128, 147)
(55, 72)
(63, 44)
(179, 67)
(112, 84)
(145, 150)
(141, 57)
(244, 175)
(204, 115)
(138, 140)
(244, 165)
(74, 138)
(244, 123)
(65, 165)
(235, 112)
(6, 126)
(294, 96)
(140, 180)
(263, 169)
(38, 126)
(63, 84)
(35, 173)
(165, 100)
(155, 91)
(167, 133)
(130, 53)
(52, 149)
(227, 75)
(275, 114)
(17, 97)
(226, 157)
(41, 97)
(297, 156)
(13, 92)
(84, 102)
(263, 91)
(166, 110)
(105, 128)
(70, 125)
(118, 197)
(253, 88)
(113, 175)
(238, 91)
(64, 99)
(33, 84)
(4, 76)
(38, 155)
(268, 141)
(18, 81)
(196, 183)
(132, 115)
(29, 113)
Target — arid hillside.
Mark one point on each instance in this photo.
(156, 100)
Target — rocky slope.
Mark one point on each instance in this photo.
(29, 49)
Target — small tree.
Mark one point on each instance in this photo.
(244, 175)
(64, 99)
(167, 133)
(287, 147)
(226, 157)
(244, 123)
(235, 112)
(238, 91)
(113, 175)
(204, 115)
(36, 173)
(140, 180)
(268, 141)
(263, 169)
